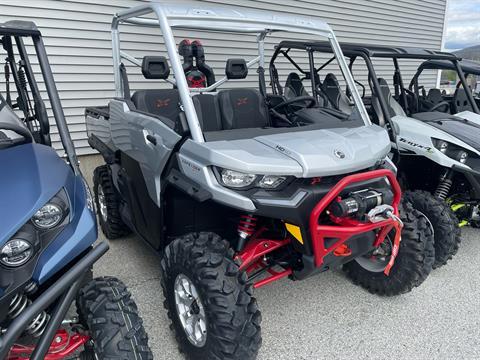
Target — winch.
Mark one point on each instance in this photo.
(359, 203)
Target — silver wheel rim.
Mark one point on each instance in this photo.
(377, 260)
(102, 203)
(190, 310)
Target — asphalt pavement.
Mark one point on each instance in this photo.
(326, 316)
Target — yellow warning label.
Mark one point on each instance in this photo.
(295, 231)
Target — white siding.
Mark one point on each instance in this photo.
(77, 36)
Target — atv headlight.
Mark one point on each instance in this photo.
(236, 179)
(453, 151)
(462, 156)
(16, 252)
(441, 145)
(52, 213)
(271, 181)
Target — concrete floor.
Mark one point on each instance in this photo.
(327, 317)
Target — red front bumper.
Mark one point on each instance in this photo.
(343, 232)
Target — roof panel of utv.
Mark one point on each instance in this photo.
(468, 66)
(197, 16)
(373, 50)
(19, 28)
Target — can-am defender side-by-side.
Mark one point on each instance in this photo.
(48, 230)
(434, 154)
(237, 188)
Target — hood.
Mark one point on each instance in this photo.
(333, 151)
(30, 175)
(457, 126)
(301, 153)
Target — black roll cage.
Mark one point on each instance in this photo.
(468, 67)
(13, 33)
(324, 47)
(366, 52)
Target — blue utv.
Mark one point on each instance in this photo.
(48, 230)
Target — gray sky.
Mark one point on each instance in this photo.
(463, 24)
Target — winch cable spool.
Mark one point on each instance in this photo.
(359, 203)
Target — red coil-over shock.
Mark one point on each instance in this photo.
(246, 227)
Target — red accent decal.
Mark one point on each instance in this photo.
(242, 101)
(316, 180)
(162, 103)
(65, 347)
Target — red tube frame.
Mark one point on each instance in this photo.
(65, 346)
(344, 232)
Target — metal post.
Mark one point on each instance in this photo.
(56, 104)
(348, 78)
(116, 63)
(466, 87)
(189, 109)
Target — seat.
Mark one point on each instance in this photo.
(208, 112)
(242, 108)
(460, 101)
(433, 98)
(335, 95)
(164, 102)
(294, 86)
(393, 106)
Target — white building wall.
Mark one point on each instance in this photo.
(77, 36)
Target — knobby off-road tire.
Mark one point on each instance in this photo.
(412, 265)
(109, 314)
(447, 234)
(108, 210)
(231, 314)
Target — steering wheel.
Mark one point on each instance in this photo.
(304, 102)
(308, 102)
(19, 130)
(440, 104)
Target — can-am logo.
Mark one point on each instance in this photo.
(339, 154)
(414, 144)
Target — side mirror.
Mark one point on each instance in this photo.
(236, 69)
(155, 67)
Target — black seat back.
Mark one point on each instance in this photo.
(242, 108)
(294, 86)
(434, 96)
(208, 112)
(393, 106)
(460, 101)
(163, 102)
(335, 95)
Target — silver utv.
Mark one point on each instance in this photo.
(237, 188)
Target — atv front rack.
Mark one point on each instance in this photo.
(350, 228)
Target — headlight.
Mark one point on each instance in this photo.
(451, 150)
(52, 213)
(462, 156)
(240, 180)
(16, 252)
(440, 145)
(236, 179)
(271, 181)
(48, 216)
